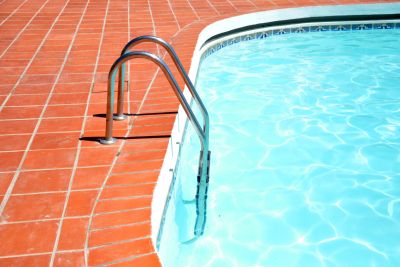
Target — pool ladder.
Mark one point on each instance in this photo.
(202, 132)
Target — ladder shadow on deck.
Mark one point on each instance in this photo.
(97, 138)
(103, 115)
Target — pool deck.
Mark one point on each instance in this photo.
(65, 199)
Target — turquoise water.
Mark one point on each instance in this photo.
(305, 141)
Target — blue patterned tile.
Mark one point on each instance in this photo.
(361, 27)
(234, 40)
(300, 30)
(262, 35)
(248, 37)
(384, 26)
(319, 28)
(280, 31)
(340, 27)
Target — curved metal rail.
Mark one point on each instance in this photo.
(203, 134)
(154, 39)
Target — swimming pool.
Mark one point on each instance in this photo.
(305, 154)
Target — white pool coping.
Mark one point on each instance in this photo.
(162, 188)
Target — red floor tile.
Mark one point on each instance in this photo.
(42, 181)
(120, 218)
(90, 178)
(147, 260)
(77, 98)
(31, 112)
(13, 142)
(138, 166)
(33, 89)
(126, 191)
(18, 261)
(50, 159)
(119, 251)
(27, 100)
(26, 238)
(17, 126)
(133, 178)
(72, 88)
(73, 234)
(109, 205)
(101, 155)
(141, 156)
(55, 140)
(69, 259)
(10, 160)
(60, 125)
(5, 180)
(44, 206)
(65, 111)
(112, 235)
(80, 203)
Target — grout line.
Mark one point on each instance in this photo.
(82, 189)
(60, 148)
(141, 161)
(173, 14)
(39, 253)
(120, 225)
(232, 5)
(54, 192)
(120, 211)
(129, 185)
(32, 59)
(194, 10)
(130, 197)
(124, 198)
(119, 242)
(39, 94)
(153, 25)
(75, 166)
(254, 5)
(44, 220)
(45, 118)
(143, 150)
(119, 173)
(54, 105)
(213, 7)
(78, 131)
(12, 13)
(66, 168)
(104, 199)
(23, 134)
(16, 175)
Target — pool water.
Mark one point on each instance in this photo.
(305, 141)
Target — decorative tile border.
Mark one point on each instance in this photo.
(358, 26)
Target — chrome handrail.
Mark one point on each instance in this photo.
(154, 39)
(203, 134)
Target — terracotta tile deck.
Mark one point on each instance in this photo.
(66, 202)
